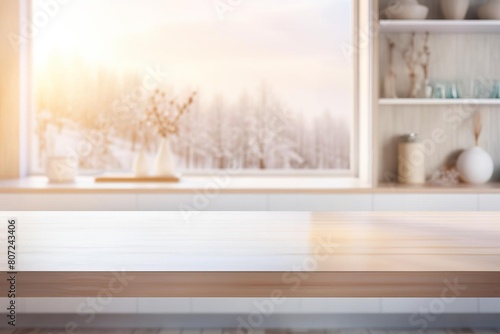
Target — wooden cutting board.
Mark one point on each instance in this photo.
(109, 178)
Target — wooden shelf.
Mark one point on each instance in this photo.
(436, 102)
(429, 188)
(440, 26)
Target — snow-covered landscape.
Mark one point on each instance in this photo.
(274, 90)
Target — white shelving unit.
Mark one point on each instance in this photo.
(440, 26)
(436, 102)
(434, 27)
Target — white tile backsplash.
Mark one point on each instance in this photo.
(246, 305)
(164, 202)
(82, 306)
(201, 202)
(355, 305)
(222, 305)
(490, 202)
(237, 202)
(87, 307)
(340, 305)
(12, 202)
(70, 202)
(285, 305)
(425, 202)
(250, 202)
(117, 305)
(430, 305)
(164, 305)
(308, 202)
(314, 305)
(53, 305)
(489, 305)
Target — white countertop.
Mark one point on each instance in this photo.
(228, 184)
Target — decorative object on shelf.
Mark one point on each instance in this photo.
(427, 90)
(452, 91)
(406, 10)
(496, 90)
(439, 91)
(490, 10)
(390, 77)
(52, 134)
(141, 165)
(60, 169)
(475, 165)
(411, 160)
(164, 114)
(483, 89)
(455, 9)
(445, 176)
(164, 160)
(414, 58)
(466, 89)
(479, 89)
(425, 57)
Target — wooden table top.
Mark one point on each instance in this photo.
(255, 241)
(258, 246)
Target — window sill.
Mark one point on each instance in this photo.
(191, 184)
(235, 185)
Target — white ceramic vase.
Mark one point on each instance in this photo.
(454, 9)
(475, 165)
(406, 10)
(490, 10)
(164, 160)
(61, 169)
(141, 166)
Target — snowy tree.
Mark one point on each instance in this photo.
(256, 130)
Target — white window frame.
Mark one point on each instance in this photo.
(361, 130)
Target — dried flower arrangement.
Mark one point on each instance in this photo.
(425, 56)
(390, 79)
(164, 113)
(478, 127)
(415, 56)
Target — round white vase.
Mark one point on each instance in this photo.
(141, 166)
(490, 10)
(475, 165)
(164, 160)
(455, 9)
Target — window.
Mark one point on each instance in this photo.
(266, 84)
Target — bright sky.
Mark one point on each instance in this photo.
(292, 45)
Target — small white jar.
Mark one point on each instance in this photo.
(61, 169)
